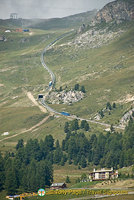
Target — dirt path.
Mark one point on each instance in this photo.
(31, 97)
(27, 130)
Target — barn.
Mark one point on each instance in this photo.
(58, 186)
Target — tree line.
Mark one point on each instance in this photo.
(112, 149)
(108, 109)
(31, 166)
(74, 126)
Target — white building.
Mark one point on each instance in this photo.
(103, 174)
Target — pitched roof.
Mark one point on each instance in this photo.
(102, 170)
(57, 184)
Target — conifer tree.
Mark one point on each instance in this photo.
(68, 180)
(11, 179)
(86, 127)
(108, 106)
(76, 87)
(2, 172)
(20, 144)
(83, 162)
(82, 124)
(83, 89)
(114, 105)
(66, 127)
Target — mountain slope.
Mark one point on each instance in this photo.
(118, 11)
(66, 22)
(100, 59)
(54, 23)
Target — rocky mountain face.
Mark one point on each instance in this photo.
(96, 38)
(118, 11)
(64, 97)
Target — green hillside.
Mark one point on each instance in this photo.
(72, 21)
(39, 146)
(106, 72)
(21, 71)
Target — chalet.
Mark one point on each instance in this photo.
(58, 186)
(103, 174)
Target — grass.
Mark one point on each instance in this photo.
(85, 184)
(3, 195)
(61, 197)
(105, 77)
(60, 173)
(21, 68)
(106, 73)
(98, 71)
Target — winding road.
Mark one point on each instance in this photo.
(53, 79)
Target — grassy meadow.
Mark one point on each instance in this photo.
(106, 73)
(21, 70)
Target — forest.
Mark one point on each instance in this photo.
(30, 167)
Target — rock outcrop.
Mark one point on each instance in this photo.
(96, 38)
(124, 120)
(64, 97)
(117, 11)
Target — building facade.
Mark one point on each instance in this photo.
(103, 174)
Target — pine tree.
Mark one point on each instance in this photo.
(11, 180)
(49, 142)
(76, 87)
(66, 127)
(86, 127)
(69, 161)
(44, 175)
(2, 172)
(74, 125)
(20, 144)
(60, 88)
(83, 162)
(82, 124)
(112, 128)
(31, 177)
(114, 105)
(63, 160)
(83, 89)
(108, 106)
(57, 144)
(68, 180)
(57, 153)
(83, 177)
(101, 113)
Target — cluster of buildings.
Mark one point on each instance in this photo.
(103, 174)
(96, 175)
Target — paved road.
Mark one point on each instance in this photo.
(53, 79)
(99, 196)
